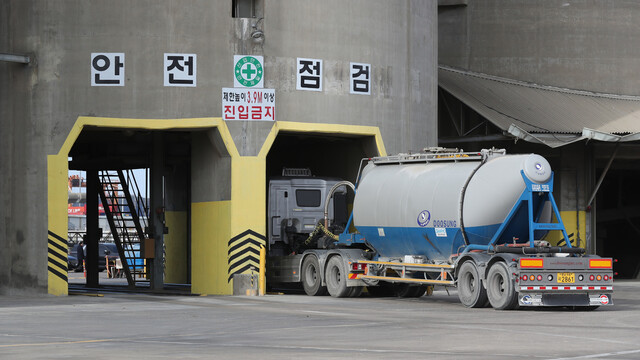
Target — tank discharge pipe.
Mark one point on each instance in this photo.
(486, 153)
(330, 195)
(462, 193)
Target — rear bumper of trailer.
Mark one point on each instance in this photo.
(565, 296)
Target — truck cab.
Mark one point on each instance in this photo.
(296, 205)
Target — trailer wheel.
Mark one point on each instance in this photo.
(311, 279)
(336, 278)
(470, 290)
(501, 288)
(408, 291)
(356, 291)
(381, 290)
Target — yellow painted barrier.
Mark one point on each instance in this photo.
(263, 265)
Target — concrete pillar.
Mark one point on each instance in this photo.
(177, 244)
(210, 213)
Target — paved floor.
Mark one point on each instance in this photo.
(125, 326)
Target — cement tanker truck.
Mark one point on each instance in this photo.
(475, 221)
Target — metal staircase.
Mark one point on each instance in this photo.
(121, 198)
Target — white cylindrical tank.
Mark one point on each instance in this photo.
(419, 207)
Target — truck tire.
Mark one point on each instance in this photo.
(336, 278)
(420, 291)
(501, 288)
(381, 290)
(470, 290)
(356, 291)
(408, 291)
(311, 278)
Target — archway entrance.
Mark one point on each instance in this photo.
(150, 232)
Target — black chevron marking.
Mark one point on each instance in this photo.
(246, 247)
(244, 261)
(251, 264)
(240, 271)
(243, 243)
(248, 232)
(244, 253)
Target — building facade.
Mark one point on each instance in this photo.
(108, 85)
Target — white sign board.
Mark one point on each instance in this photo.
(248, 104)
(107, 69)
(360, 79)
(180, 69)
(248, 71)
(309, 74)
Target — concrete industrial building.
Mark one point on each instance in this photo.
(56, 114)
(558, 77)
(553, 75)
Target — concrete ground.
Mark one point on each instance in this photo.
(140, 326)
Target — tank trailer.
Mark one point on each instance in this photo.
(471, 220)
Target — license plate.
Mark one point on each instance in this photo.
(566, 278)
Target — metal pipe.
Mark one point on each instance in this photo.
(539, 250)
(577, 210)
(476, 247)
(329, 195)
(77, 197)
(23, 59)
(604, 173)
(462, 194)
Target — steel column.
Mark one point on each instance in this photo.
(93, 231)
(156, 217)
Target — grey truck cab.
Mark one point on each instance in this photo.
(296, 205)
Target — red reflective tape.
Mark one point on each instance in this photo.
(579, 288)
(567, 287)
(554, 288)
(603, 288)
(530, 288)
(592, 287)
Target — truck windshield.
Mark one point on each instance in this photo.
(308, 198)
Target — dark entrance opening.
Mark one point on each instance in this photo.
(123, 214)
(325, 155)
(296, 199)
(618, 218)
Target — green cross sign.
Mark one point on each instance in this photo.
(248, 71)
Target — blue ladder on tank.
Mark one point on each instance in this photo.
(531, 188)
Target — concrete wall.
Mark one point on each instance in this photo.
(40, 102)
(398, 38)
(589, 45)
